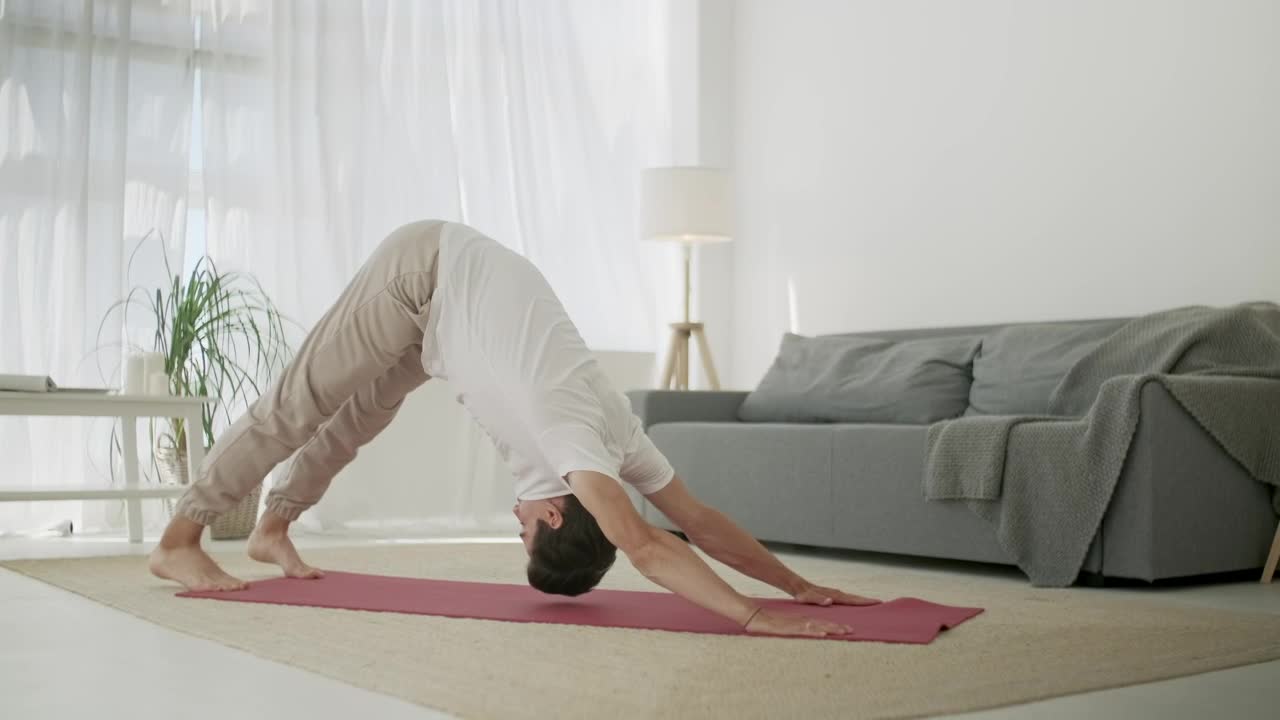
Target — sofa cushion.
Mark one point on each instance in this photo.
(774, 479)
(876, 474)
(845, 378)
(1019, 366)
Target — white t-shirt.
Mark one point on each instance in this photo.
(500, 336)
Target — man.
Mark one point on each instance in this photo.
(440, 299)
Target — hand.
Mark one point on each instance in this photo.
(768, 622)
(817, 595)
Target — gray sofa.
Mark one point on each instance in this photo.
(859, 486)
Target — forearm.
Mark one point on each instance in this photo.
(724, 540)
(667, 561)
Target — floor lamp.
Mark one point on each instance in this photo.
(690, 206)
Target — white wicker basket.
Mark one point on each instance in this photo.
(232, 525)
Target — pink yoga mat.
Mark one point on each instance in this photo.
(905, 620)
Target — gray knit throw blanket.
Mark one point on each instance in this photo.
(1045, 482)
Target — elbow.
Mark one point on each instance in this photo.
(699, 527)
(643, 552)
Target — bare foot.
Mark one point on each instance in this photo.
(278, 549)
(189, 566)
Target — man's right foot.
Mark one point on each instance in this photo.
(191, 567)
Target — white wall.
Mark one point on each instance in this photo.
(924, 163)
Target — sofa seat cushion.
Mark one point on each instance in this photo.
(877, 487)
(843, 485)
(772, 478)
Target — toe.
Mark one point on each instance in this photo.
(231, 583)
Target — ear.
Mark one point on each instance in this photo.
(553, 513)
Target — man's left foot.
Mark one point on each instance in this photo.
(278, 549)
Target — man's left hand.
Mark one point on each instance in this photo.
(818, 595)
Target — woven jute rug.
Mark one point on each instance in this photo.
(1029, 644)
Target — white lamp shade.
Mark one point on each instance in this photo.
(686, 204)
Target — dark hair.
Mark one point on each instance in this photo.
(572, 559)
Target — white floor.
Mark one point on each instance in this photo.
(61, 656)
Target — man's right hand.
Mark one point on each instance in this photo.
(767, 622)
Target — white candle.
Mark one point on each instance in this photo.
(134, 375)
(152, 363)
(158, 384)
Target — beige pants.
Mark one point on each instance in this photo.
(344, 386)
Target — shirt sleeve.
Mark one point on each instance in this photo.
(644, 467)
(588, 428)
(571, 447)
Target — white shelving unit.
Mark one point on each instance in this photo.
(128, 408)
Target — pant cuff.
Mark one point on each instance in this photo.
(285, 508)
(204, 517)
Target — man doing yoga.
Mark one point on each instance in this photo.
(440, 299)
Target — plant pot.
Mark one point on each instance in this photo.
(234, 524)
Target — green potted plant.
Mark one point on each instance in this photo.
(222, 338)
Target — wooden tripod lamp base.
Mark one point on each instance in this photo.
(1272, 558)
(676, 374)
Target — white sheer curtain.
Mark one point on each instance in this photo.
(327, 124)
(320, 126)
(95, 101)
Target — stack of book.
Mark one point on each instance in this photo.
(38, 384)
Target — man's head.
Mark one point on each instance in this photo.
(568, 553)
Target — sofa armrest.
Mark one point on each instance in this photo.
(1183, 506)
(663, 406)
